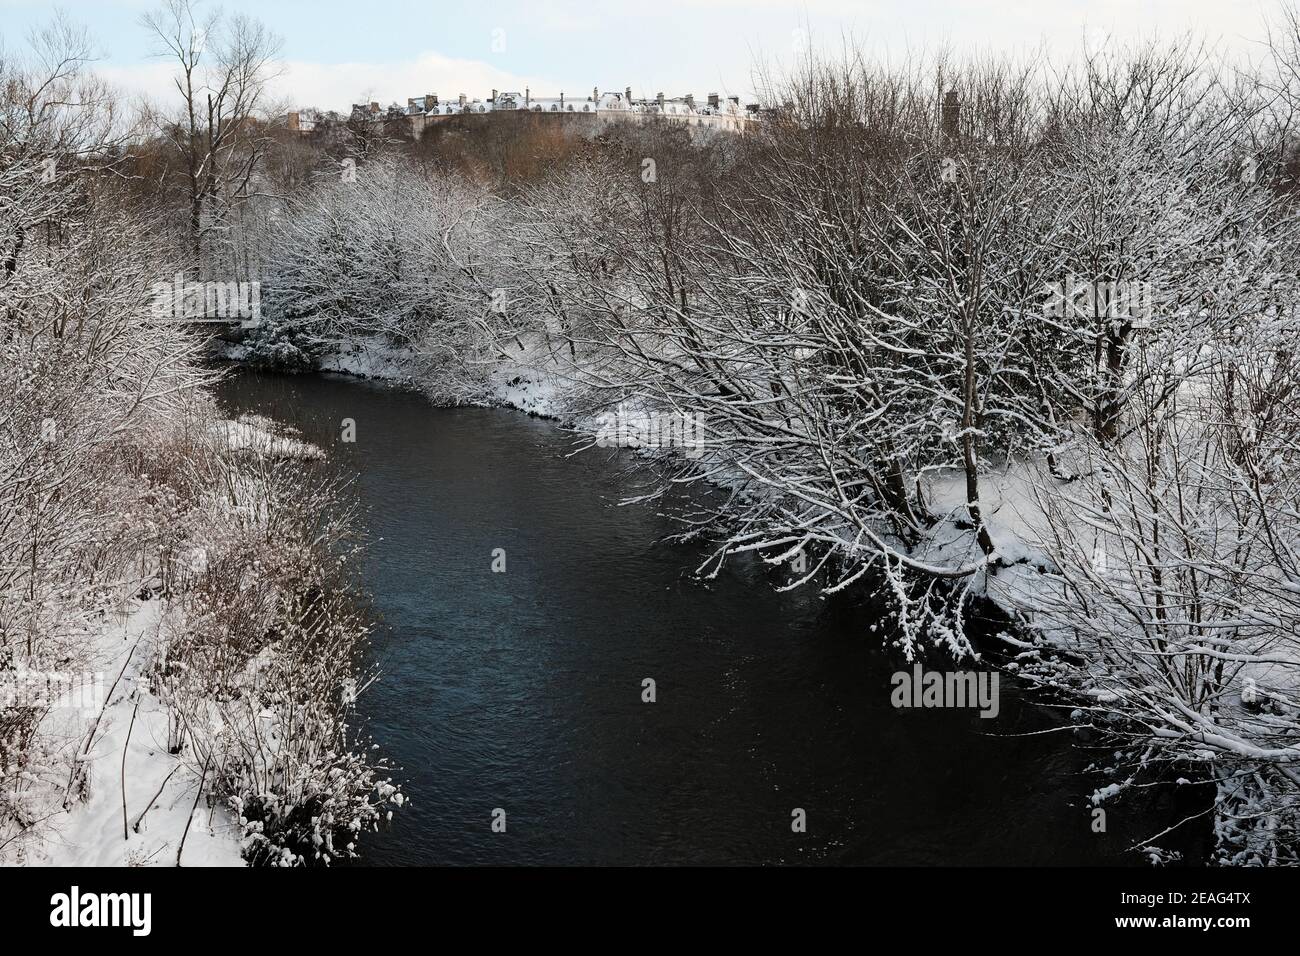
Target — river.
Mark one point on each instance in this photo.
(522, 690)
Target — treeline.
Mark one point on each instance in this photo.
(1035, 343)
(122, 492)
(1041, 347)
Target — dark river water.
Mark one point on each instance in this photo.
(522, 690)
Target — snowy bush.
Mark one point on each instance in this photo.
(260, 662)
(115, 471)
(395, 255)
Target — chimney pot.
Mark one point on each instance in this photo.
(950, 115)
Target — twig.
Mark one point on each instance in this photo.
(126, 835)
(204, 776)
(149, 805)
(90, 739)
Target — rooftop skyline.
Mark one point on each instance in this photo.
(336, 53)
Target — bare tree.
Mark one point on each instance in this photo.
(225, 66)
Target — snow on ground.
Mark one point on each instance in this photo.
(145, 823)
(135, 803)
(372, 357)
(523, 381)
(1009, 499)
(515, 381)
(255, 433)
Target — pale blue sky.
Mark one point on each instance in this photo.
(340, 51)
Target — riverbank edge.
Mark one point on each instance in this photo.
(139, 791)
(519, 387)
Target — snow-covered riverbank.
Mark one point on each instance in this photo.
(134, 803)
(1045, 536)
(212, 727)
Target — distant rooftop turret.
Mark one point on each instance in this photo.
(950, 115)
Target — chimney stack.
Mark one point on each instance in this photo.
(659, 98)
(951, 113)
(690, 101)
(713, 100)
(463, 99)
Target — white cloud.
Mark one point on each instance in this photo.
(338, 85)
(705, 45)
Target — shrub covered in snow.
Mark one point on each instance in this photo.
(121, 490)
(259, 663)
